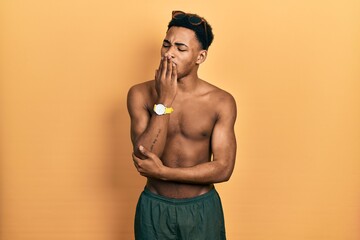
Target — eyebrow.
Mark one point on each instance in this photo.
(177, 43)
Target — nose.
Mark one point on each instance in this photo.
(171, 51)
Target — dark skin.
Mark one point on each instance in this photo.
(184, 153)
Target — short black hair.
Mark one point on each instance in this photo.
(198, 29)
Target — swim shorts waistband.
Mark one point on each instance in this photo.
(176, 201)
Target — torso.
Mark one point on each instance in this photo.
(188, 139)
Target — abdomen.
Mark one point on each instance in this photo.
(182, 153)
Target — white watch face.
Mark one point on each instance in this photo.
(160, 109)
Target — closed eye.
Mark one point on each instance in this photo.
(182, 47)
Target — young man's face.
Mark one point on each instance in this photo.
(184, 48)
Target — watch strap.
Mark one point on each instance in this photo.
(168, 110)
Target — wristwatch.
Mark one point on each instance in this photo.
(160, 109)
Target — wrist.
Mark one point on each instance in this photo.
(160, 109)
(167, 102)
(165, 173)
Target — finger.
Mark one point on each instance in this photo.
(169, 69)
(161, 61)
(174, 72)
(157, 75)
(164, 68)
(146, 152)
(136, 166)
(160, 66)
(136, 160)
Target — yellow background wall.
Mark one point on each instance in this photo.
(66, 66)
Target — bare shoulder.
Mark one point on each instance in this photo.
(141, 92)
(138, 98)
(144, 88)
(221, 100)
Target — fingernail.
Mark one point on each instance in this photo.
(141, 148)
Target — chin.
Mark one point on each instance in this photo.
(180, 75)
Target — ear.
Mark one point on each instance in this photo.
(201, 57)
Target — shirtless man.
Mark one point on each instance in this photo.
(182, 130)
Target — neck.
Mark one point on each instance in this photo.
(188, 83)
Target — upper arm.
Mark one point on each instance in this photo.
(139, 115)
(223, 141)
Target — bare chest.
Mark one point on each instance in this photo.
(192, 120)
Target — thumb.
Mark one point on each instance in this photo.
(145, 152)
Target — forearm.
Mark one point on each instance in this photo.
(154, 137)
(205, 173)
(151, 131)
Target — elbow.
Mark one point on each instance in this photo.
(225, 178)
(226, 174)
(137, 151)
(136, 147)
(138, 154)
